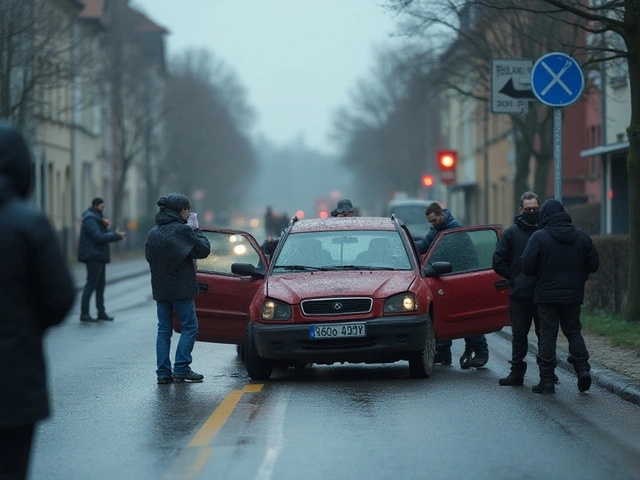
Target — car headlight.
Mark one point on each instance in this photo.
(275, 310)
(405, 302)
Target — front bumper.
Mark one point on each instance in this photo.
(388, 339)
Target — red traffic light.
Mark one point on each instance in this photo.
(427, 180)
(447, 160)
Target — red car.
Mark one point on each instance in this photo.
(348, 289)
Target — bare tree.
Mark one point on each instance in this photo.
(207, 120)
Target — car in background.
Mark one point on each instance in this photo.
(410, 211)
(350, 289)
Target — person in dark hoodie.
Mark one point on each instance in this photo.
(506, 263)
(560, 257)
(93, 250)
(36, 292)
(476, 352)
(170, 249)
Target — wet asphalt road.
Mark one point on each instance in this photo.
(112, 421)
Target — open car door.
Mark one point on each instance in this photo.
(223, 303)
(472, 299)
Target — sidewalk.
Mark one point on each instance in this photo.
(116, 270)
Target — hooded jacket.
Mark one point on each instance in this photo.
(560, 256)
(36, 289)
(447, 224)
(506, 258)
(95, 237)
(170, 249)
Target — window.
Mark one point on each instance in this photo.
(227, 249)
(467, 251)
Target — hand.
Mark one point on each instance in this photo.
(106, 222)
(121, 233)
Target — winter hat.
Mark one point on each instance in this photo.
(174, 201)
(344, 206)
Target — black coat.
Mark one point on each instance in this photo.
(36, 289)
(95, 237)
(170, 249)
(506, 258)
(447, 224)
(560, 256)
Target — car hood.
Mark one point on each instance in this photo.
(293, 288)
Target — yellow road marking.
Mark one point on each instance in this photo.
(195, 456)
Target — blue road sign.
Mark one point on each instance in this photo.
(557, 79)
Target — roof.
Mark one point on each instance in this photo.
(410, 201)
(343, 223)
(92, 9)
(145, 24)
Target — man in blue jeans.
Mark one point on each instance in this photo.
(171, 249)
(476, 351)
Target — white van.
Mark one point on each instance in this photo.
(411, 212)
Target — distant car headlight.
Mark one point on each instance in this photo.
(405, 302)
(275, 310)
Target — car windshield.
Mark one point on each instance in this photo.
(412, 214)
(347, 250)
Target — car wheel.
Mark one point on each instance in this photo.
(421, 363)
(258, 368)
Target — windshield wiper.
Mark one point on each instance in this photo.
(298, 267)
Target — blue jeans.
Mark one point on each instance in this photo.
(186, 313)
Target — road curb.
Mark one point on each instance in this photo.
(625, 387)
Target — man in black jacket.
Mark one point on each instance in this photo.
(171, 249)
(93, 250)
(561, 257)
(506, 263)
(36, 292)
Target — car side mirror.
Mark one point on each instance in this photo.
(247, 270)
(436, 269)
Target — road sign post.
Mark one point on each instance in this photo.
(557, 81)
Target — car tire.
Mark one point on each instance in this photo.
(258, 368)
(421, 363)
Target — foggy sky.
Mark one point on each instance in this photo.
(297, 58)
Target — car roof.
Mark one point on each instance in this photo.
(410, 202)
(343, 223)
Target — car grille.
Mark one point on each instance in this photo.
(337, 306)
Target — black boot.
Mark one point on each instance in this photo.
(582, 369)
(544, 387)
(516, 377)
(466, 358)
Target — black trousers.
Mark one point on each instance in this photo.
(15, 450)
(567, 316)
(521, 313)
(95, 283)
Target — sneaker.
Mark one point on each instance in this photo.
(584, 381)
(104, 316)
(85, 317)
(190, 377)
(163, 380)
(442, 358)
(478, 361)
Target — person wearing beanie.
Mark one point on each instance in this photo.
(171, 248)
(344, 209)
(37, 292)
(93, 250)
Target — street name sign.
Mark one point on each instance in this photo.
(557, 79)
(511, 85)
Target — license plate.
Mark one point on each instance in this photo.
(337, 331)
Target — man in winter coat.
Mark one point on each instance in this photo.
(476, 352)
(506, 263)
(170, 249)
(93, 250)
(561, 257)
(36, 292)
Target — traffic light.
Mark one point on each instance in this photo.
(447, 160)
(427, 181)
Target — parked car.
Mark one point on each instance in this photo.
(348, 290)
(410, 211)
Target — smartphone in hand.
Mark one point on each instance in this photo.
(192, 221)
